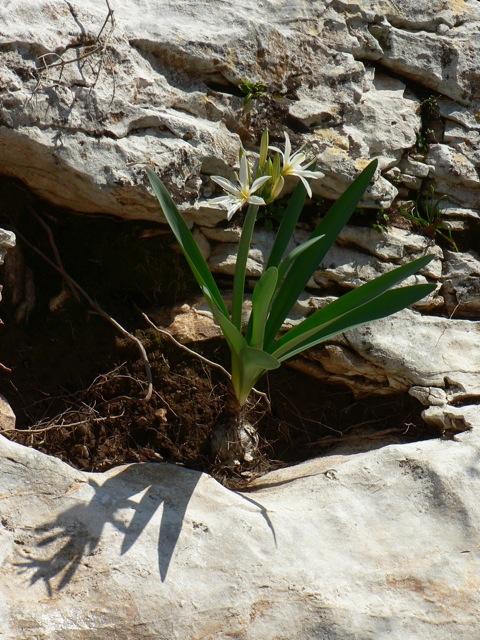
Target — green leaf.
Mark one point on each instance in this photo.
(260, 359)
(304, 267)
(261, 301)
(386, 304)
(233, 336)
(346, 304)
(251, 364)
(287, 225)
(293, 255)
(241, 265)
(186, 241)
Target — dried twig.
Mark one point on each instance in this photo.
(185, 348)
(446, 326)
(53, 246)
(67, 425)
(89, 50)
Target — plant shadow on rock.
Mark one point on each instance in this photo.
(64, 542)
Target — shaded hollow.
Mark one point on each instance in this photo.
(77, 385)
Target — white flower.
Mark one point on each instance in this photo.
(240, 193)
(292, 165)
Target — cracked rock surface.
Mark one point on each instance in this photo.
(88, 99)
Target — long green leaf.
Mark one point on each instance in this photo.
(346, 304)
(305, 265)
(260, 359)
(233, 336)
(287, 225)
(185, 239)
(261, 300)
(241, 265)
(293, 255)
(386, 304)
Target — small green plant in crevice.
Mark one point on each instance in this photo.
(251, 91)
(425, 212)
(260, 346)
(430, 104)
(380, 223)
(423, 140)
(432, 127)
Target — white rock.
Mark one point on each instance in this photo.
(224, 255)
(451, 420)
(7, 416)
(450, 211)
(462, 284)
(397, 245)
(406, 350)
(7, 241)
(163, 96)
(350, 268)
(203, 213)
(202, 243)
(434, 60)
(412, 167)
(454, 174)
(429, 395)
(384, 122)
(377, 544)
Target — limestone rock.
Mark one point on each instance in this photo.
(454, 174)
(371, 544)
(7, 241)
(91, 101)
(462, 284)
(403, 351)
(396, 245)
(449, 210)
(7, 417)
(224, 255)
(438, 53)
(351, 268)
(451, 420)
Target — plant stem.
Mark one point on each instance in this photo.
(241, 265)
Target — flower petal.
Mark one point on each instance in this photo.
(306, 185)
(309, 174)
(277, 150)
(233, 209)
(259, 182)
(243, 178)
(256, 200)
(222, 200)
(288, 148)
(226, 185)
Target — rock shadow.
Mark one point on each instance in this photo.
(127, 501)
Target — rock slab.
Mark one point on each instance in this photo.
(377, 544)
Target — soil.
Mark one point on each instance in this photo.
(77, 385)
